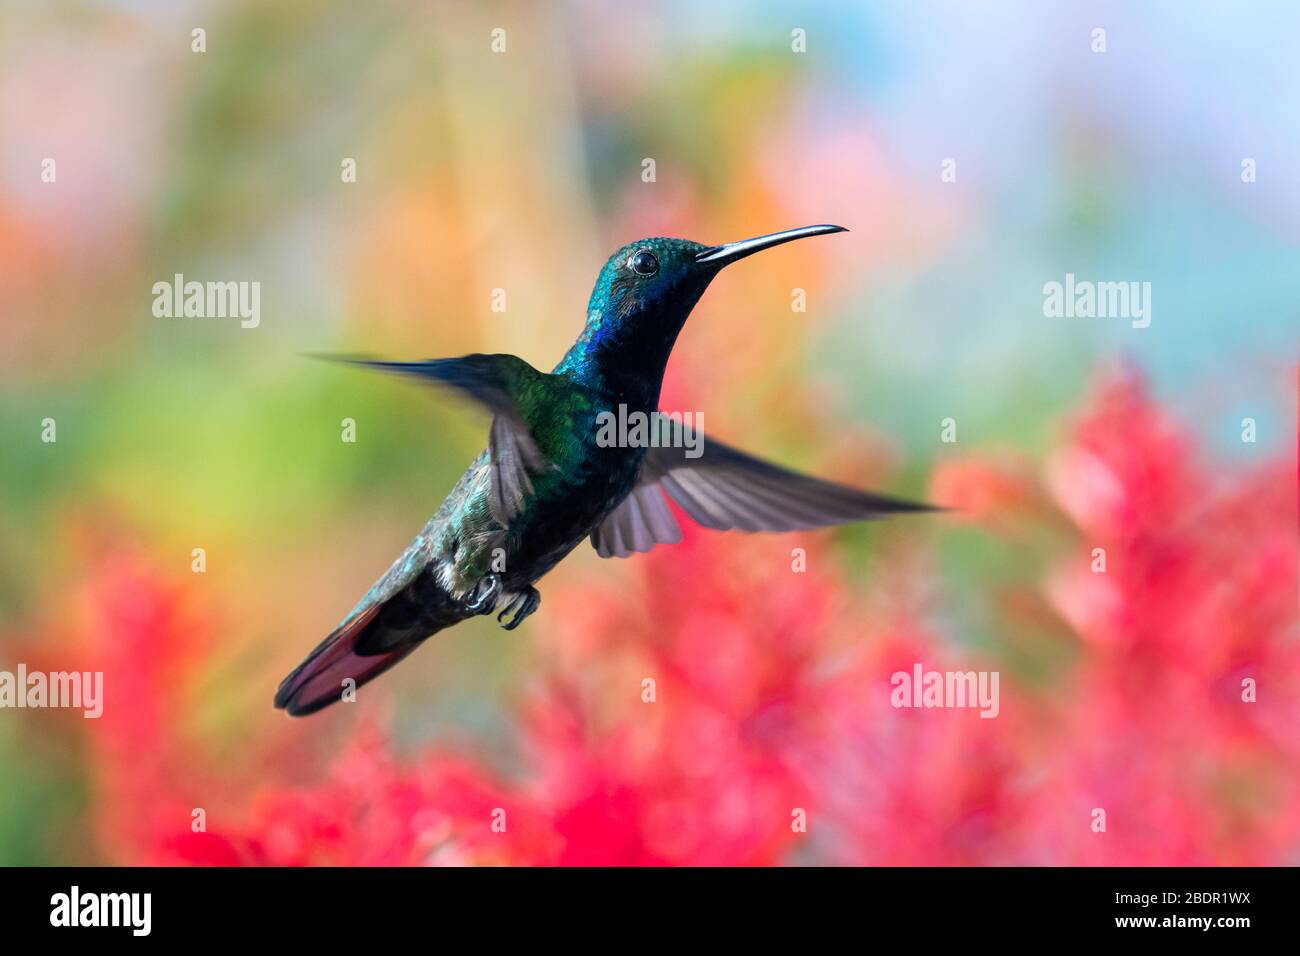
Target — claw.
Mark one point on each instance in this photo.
(483, 599)
(523, 604)
(506, 610)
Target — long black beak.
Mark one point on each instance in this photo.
(731, 251)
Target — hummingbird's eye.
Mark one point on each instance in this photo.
(644, 263)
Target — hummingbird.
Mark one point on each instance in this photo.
(545, 481)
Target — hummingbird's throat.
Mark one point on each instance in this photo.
(625, 355)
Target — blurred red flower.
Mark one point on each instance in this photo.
(1181, 715)
(714, 703)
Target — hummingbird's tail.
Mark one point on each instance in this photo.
(369, 643)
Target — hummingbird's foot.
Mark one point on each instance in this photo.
(483, 599)
(522, 604)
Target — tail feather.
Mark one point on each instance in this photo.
(368, 644)
(318, 681)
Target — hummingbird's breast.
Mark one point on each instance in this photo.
(586, 482)
(585, 485)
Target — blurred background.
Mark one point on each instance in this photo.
(522, 170)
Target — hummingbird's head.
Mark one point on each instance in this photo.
(649, 283)
(663, 278)
(644, 295)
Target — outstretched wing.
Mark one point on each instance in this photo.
(504, 384)
(726, 489)
(640, 521)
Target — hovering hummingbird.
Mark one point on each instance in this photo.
(545, 482)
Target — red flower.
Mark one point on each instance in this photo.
(1179, 722)
(729, 700)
